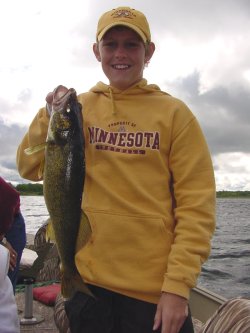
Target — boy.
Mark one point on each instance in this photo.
(149, 190)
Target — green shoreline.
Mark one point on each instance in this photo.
(233, 194)
(37, 189)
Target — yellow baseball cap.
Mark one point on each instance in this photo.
(126, 16)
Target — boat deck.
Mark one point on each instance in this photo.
(39, 310)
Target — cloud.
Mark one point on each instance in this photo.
(10, 137)
(15, 106)
(223, 113)
(232, 171)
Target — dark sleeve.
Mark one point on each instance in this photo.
(9, 201)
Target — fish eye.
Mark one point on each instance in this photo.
(68, 109)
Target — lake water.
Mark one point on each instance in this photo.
(227, 271)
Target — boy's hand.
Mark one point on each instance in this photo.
(172, 310)
(55, 95)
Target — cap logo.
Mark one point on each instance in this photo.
(123, 13)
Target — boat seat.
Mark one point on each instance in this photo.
(47, 265)
(60, 317)
(51, 263)
(233, 316)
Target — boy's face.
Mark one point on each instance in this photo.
(123, 56)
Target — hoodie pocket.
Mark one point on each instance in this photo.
(131, 247)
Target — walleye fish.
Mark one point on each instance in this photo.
(64, 173)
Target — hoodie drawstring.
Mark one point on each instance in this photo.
(112, 101)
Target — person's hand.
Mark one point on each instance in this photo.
(54, 96)
(172, 310)
(13, 256)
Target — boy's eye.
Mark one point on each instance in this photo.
(109, 44)
(131, 44)
(126, 45)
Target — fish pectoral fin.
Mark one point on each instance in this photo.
(50, 233)
(35, 149)
(41, 169)
(84, 232)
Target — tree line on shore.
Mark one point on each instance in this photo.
(37, 189)
(30, 189)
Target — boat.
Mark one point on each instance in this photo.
(211, 312)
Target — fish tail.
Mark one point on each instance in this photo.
(71, 284)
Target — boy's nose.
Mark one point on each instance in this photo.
(120, 52)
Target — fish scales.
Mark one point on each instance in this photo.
(64, 173)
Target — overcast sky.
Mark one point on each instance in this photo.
(202, 57)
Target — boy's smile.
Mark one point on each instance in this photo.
(123, 55)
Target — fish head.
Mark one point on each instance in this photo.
(66, 118)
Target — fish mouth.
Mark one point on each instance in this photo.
(62, 95)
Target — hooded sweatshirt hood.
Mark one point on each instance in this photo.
(113, 93)
(138, 88)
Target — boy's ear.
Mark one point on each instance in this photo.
(150, 49)
(96, 51)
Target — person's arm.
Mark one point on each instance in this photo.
(9, 199)
(8, 310)
(194, 212)
(29, 165)
(194, 195)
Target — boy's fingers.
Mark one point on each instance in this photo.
(157, 320)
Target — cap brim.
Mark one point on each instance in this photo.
(131, 26)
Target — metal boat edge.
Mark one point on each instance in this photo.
(203, 303)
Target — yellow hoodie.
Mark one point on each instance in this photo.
(149, 190)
